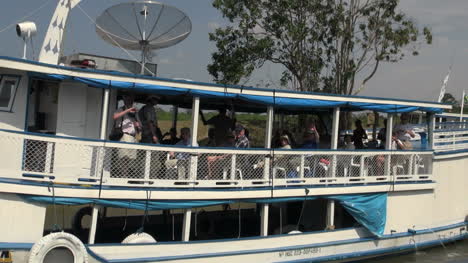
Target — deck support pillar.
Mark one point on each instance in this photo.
(186, 225)
(268, 134)
(102, 136)
(334, 145)
(264, 219)
(194, 132)
(92, 229)
(334, 139)
(388, 143)
(331, 215)
(104, 113)
(430, 130)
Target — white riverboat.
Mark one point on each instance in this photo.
(300, 205)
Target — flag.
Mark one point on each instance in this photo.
(444, 86)
(465, 98)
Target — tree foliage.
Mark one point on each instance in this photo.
(324, 45)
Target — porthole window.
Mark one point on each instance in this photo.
(8, 86)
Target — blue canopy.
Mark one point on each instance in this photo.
(369, 210)
(282, 103)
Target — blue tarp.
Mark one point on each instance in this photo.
(291, 104)
(369, 210)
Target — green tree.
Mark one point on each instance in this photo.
(322, 44)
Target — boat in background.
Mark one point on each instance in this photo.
(68, 194)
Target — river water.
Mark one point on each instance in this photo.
(452, 253)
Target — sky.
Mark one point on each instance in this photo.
(416, 77)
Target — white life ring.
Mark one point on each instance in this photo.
(58, 240)
(139, 238)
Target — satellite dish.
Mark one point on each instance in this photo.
(143, 25)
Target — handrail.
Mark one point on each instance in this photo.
(72, 160)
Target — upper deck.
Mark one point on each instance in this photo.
(79, 160)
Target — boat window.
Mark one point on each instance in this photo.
(8, 85)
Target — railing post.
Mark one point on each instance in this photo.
(186, 225)
(301, 166)
(48, 161)
(268, 133)
(147, 165)
(264, 220)
(194, 158)
(233, 167)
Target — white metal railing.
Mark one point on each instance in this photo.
(70, 160)
(451, 136)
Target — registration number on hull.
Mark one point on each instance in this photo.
(299, 252)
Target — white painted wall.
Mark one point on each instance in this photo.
(79, 110)
(15, 119)
(12, 150)
(16, 219)
(79, 115)
(446, 204)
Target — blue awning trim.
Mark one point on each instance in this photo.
(292, 104)
(369, 210)
(130, 204)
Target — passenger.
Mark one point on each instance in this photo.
(278, 158)
(291, 140)
(404, 132)
(382, 136)
(151, 132)
(173, 139)
(275, 141)
(218, 161)
(182, 159)
(284, 142)
(348, 143)
(358, 135)
(241, 140)
(125, 118)
(223, 125)
(210, 140)
(311, 138)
